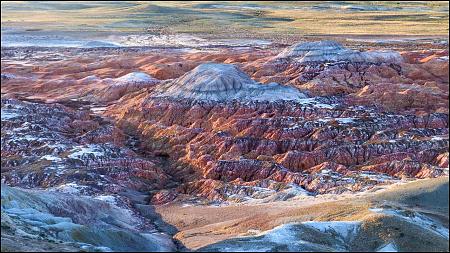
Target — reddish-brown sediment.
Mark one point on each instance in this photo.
(386, 118)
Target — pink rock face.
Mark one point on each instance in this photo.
(289, 142)
(163, 196)
(418, 76)
(333, 123)
(442, 160)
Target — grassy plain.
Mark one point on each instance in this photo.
(234, 19)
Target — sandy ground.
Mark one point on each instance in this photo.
(199, 226)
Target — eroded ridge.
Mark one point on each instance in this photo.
(235, 129)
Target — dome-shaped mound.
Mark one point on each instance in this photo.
(214, 77)
(332, 51)
(134, 78)
(225, 82)
(115, 88)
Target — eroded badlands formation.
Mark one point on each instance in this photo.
(224, 82)
(222, 126)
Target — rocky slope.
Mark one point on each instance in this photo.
(134, 128)
(397, 82)
(50, 221)
(290, 143)
(53, 146)
(229, 137)
(338, 236)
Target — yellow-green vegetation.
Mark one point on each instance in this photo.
(234, 19)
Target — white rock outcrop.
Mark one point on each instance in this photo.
(133, 79)
(225, 82)
(118, 87)
(332, 51)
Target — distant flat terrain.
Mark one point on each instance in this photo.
(269, 19)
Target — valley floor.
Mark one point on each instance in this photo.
(218, 227)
